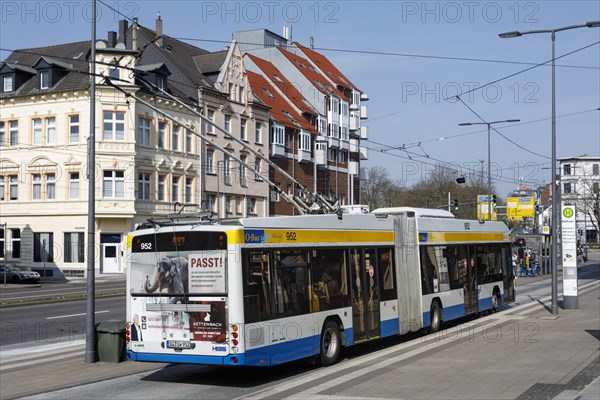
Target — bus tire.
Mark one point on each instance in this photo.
(331, 343)
(435, 317)
(495, 300)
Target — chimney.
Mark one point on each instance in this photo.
(112, 39)
(159, 30)
(134, 35)
(123, 24)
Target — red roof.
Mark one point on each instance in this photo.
(281, 110)
(327, 67)
(311, 73)
(285, 86)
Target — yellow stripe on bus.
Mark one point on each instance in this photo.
(443, 237)
(272, 236)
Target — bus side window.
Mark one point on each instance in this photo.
(292, 280)
(387, 275)
(257, 287)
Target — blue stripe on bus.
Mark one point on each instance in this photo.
(389, 327)
(450, 313)
(187, 358)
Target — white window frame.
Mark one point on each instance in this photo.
(114, 120)
(243, 133)
(210, 161)
(304, 142)
(258, 132)
(162, 184)
(144, 131)
(144, 179)
(278, 134)
(161, 134)
(175, 188)
(210, 115)
(8, 83)
(13, 133)
(2, 133)
(175, 137)
(227, 124)
(74, 128)
(36, 187)
(116, 181)
(36, 131)
(243, 181)
(257, 164)
(13, 187)
(189, 184)
(189, 141)
(73, 185)
(45, 80)
(50, 186)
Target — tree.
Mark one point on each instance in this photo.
(377, 190)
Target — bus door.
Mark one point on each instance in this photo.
(365, 294)
(471, 295)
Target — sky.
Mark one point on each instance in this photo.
(411, 58)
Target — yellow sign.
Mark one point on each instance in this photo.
(568, 212)
(483, 206)
(519, 207)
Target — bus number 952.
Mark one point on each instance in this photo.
(290, 236)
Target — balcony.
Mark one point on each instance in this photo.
(321, 152)
(353, 167)
(364, 97)
(333, 142)
(344, 144)
(364, 153)
(304, 156)
(354, 123)
(354, 106)
(277, 150)
(364, 132)
(354, 146)
(364, 112)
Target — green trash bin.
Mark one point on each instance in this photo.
(111, 341)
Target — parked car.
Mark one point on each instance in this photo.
(18, 274)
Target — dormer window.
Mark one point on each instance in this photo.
(8, 83)
(45, 79)
(113, 70)
(160, 81)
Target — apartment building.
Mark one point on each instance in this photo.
(149, 160)
(580, 186)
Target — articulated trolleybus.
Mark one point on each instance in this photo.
(265, 291)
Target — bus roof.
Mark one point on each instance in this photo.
(419, 212)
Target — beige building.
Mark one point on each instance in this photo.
(149, 160)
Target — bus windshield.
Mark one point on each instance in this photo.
(178, 264)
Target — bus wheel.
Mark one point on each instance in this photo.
(331, 343)
(495, 301)
(436, 317)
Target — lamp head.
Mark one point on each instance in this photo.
(512, 34)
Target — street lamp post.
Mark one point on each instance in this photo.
(555, 214)
(489, 124)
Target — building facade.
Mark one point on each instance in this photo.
(580, 186)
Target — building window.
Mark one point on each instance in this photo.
(278, 134)
(50, 130)
(144, 186)
(275, 193)
(74, 128)
(251, 206)
(36, 133)
(144, 131)
(13, 132)
(595, 169)
(8, 83)
(211, 117)
(567, 188)
(113, 184)
(113, 70)
(15, 243)
(228, 204)
(2, 246)
(189, 189)
(45, 79)
(257, 133)
(2, 187)
(304, 141)
(188, 140)
(227, 170)
(211, 202)
(243, 129)
(13, 187)
(341, 157)
(161, 134)
(227, 123)
(243, 170)
(210, 161)
(596, 188)
(74, 185)
(257, 176)
(2, 133)
(175, 138)
(50, 187)
(114, 125)
(36, 187)
(175, 189)
(162, 180)
(74, 247)
(43, 244)
(567, 169)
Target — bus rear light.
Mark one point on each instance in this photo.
(235, 335)
(234, 350)
(128, 339)
(235, 342)
(128, 326)
(234, 328)
(128, 332)
(234, 359)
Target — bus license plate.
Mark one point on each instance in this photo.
(180, 344)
